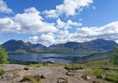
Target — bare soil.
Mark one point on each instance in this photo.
(15, 73)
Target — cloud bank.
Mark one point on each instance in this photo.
(33, 22)
(108, 32)
(29, 22)
(4, 8)
(68, 8)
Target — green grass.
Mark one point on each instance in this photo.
(98, 68)
(74, 66)
(26, 68)
(42, 64)
(110, 72)
(31, 79)
(112, 76)
(2, 72)
(97, 64)
(99, 72)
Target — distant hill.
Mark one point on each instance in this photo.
(18, 46)
(95, 56)
(95, 46)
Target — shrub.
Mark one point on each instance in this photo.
(73, 67)
(42, 76)
(2, 72)
(112, 76)
(98, 72)
(32, 79)
(26, 68)
(3, 56)
(37, 65)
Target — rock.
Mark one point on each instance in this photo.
(70, 73)
(43, 76)
(25, 80)
(62, 80)
(8, 77)
(86, 77)
(102, 76)
(0, 77)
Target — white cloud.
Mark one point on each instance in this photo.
(45, 39)
(28, 22)
(7, 25)
(67, 25)
(68, 8)
(108, 32)
(60, 24)
(51, 13)
(94, 8)
(48, 37)
(33, 39)
(4, 8)
(63, 34)
(111, 28)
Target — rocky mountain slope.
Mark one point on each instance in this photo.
(95, 46)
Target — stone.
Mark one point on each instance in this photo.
(43, 76)
(0, 77)
(7, 77)
(62, 80)
(102, 76)
(70, 73)
(86, 77)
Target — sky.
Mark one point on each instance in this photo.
(58, 21)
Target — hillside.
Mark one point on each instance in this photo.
(95, 46)
(18, 46)
(95, 56)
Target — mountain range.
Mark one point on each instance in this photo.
(95, 46)
(18, 46)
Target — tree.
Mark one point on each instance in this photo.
(3, 56)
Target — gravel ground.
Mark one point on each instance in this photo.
(15, 73)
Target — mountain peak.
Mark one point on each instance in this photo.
(14, 45)
(98, 45)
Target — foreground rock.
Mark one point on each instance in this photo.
(62, 80)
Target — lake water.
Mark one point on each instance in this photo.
(55, 58)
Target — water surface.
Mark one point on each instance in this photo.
(55, 58)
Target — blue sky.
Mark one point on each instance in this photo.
(58, 21)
